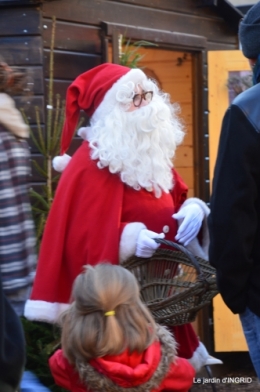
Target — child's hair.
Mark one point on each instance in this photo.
(12, 81)
(107, 315)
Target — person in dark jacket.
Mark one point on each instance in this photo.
(12, 345)
(234, 221)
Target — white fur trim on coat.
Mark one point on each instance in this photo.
(196, 248)
(48, 312)
(127, 245)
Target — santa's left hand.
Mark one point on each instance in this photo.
(191, 216)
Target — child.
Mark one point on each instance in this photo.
(110, 341)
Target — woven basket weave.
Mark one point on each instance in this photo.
(174, 284)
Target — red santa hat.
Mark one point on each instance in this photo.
(91, 90)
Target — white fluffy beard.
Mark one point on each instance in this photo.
(139, 145)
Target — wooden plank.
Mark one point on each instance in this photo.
(184, 156)
(68, 65)
(188, 139)
(220, 64)
(228, 334)
(75, 144)
(21, 50)
(21, 21)
(28, 104)
(160, 37)
(186, 112)
(72, 37)
(222, 46)
(59, 87)
(186, 6)
(174, 77)
(35, 79)
(158, 56)
(92, 12)
(187, 174)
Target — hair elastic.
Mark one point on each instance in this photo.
(110, 313)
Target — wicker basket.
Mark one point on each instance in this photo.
(174, 284)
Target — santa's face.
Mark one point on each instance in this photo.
(141, 98)
(137, 138)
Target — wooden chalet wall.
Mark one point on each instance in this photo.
(78, 47)
(25, 34)
(184, 16)
(21, 46)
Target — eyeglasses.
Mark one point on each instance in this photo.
(137, 98)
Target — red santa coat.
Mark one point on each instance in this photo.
(91, 209)
(154, 370)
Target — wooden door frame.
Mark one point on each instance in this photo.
(196, 45)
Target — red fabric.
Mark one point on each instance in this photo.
(186, 338)
(84, 224)
(86, 92)
(90, 208)
(126, 370)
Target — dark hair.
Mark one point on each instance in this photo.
(12, 81)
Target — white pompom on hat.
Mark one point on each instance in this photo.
(91, 90)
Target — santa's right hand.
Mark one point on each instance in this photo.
(145, 245)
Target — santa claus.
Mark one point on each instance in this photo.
(118, 191)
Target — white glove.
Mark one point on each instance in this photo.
(145, 245)
(192, 216)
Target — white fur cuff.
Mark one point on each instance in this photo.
(48, 312)
(127, 246)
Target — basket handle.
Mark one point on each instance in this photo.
(185, 251)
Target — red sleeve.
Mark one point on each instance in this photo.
(179, 378)
(64, 374)
(179, 192)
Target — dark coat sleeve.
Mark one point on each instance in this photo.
(12, 345)
(234, 218)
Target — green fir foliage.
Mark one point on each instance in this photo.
(128, 54)
(47, 141)
(42, 341)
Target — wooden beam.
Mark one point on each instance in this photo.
(175, 39)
